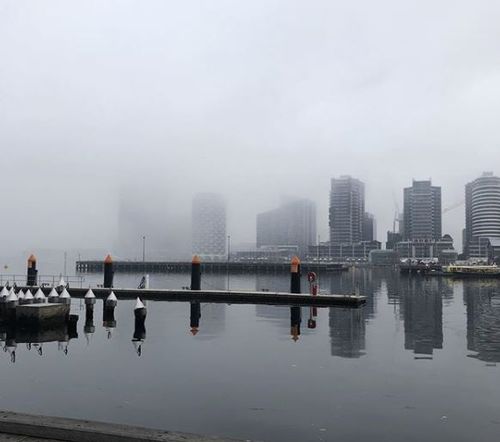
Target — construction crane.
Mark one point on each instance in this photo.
(453, 207)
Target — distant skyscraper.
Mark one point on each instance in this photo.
(347, 210)
(292, 224)
(209, 225)
(422, 211)
(482, 211)
(369, 227)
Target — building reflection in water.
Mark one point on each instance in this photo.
(482, 300)
(348, 325)
(421, 307)
(347, 332)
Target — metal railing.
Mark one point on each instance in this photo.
(43, 280)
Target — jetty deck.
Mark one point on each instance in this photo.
(222, 296)
(206, 267)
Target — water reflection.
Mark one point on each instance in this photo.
(139, 335)
(295, 321)
(418, 304)
(34, 338)
(347, 332)
(482, 300)
(89, 327)
(194, 317)
(108, 319)
(422, 309)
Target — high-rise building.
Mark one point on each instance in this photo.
(292, 224)
(369, 227)
(347, 210)
(422, 212)
(482, 213)
(209, 225)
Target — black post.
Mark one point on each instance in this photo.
(108, 272)
(139, 329)
(295, 312)
(72, 327)
(108, 317)
(32, 271)
(295, 320)
(89, 319)
(194, 317)
(295, 275)
(196, 273)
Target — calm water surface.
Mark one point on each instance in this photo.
(418, 361)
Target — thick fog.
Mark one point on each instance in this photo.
(112, 104)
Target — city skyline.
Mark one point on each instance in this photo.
(371, 218)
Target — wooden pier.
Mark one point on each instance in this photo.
(223, 296)
(206, 267)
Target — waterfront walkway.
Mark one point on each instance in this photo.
(32, 428)
(14, 438)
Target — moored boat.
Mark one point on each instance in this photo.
(477, 271)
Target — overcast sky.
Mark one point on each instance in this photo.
(252, 99)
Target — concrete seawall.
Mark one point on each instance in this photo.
(75, 430)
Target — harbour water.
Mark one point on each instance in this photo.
(418, 361)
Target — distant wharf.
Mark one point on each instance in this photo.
(96, 266)
(220, 296)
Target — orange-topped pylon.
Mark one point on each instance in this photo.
(295, 264)
(108, 272)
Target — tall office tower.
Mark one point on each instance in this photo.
(292, 224)
(209, 225)
(422, 212)
(369, 227)
(347, 210)
(482, 210)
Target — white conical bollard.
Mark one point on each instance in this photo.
(20, 296)
(39, 297)
(64, 297)
(62, 283)
(53, 296)
(3, 294)
(90, 298)
(28, 297)
(139, 304)
(111, 300)
(140, 309)
(12, 300)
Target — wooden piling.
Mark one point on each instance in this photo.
(32, 272)
(108, 272)
(295, 275)
(196, 273)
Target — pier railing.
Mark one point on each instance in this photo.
(43, 280)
